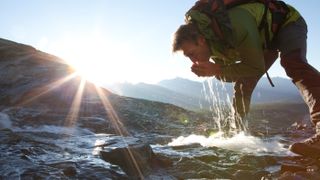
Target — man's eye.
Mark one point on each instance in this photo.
(191, 55)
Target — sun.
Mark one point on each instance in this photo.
(94, 59)
(90, 63)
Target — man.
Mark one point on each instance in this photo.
(249, 52)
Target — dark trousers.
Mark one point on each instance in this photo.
(291, 43)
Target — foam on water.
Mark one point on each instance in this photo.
(240, 142)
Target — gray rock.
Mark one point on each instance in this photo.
(135, 159)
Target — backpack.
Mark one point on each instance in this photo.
(216, 11)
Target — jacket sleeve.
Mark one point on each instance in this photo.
(248, 44)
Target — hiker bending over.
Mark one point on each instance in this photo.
(239, 42)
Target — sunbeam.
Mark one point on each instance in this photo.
(38, 92)
(111, 113)
(118, 125)
(75, 106)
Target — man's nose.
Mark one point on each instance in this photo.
(193, 59)
(195, 62)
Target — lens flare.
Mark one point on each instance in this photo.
(75, 107)
(40, 91)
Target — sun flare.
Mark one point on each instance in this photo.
(93, 59)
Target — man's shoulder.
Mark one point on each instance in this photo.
(251, 9)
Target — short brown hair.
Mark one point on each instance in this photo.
(186, 32)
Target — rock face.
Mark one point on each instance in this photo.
(24, 70)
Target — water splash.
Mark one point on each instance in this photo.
(220, 106)
(240, 142)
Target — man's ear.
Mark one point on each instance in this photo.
(202, 40)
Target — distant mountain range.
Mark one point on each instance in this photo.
(196, 95)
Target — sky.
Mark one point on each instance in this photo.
(120, 41)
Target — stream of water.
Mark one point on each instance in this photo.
(220, 106)
(44, 151)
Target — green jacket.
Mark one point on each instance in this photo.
(246, 58)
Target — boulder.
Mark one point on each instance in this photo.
(135, 158)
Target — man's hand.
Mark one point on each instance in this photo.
(206, 69)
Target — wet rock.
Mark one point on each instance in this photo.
(205, 174)
(208, 158)
(243, 175)
(261, 174)
(134, 159)
(26, 157)
(289, 176)
(160, 175)
(100, 173)
(95, 124)
(297, 176)
(309, 175)
(191, 168)
(41, 172)
(8, 137)
(163, 161)
(70, 171)
(292, 168)
(153, 138)
(68, 168)
(188, 146)
(300, 167)
(137, 159)
(305, 150)
(260, 161)
(26, 151)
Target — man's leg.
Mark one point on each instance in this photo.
(293, 46)
(243, 90)
(306, 78)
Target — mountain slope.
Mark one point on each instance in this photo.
(284, 90)
(196, 95)
(155, 93)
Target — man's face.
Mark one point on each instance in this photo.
(196, 52)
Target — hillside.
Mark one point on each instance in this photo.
(195, 95)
